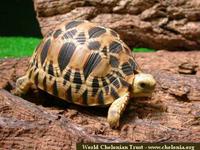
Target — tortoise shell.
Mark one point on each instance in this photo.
(83, 63)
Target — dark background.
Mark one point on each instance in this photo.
(18, 18)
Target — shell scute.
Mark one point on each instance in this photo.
(85, 97)
(73, 24)
(77, 78)
(115, 47)
(45, 50)
(94, 45)
(70, 34)
(101, 97)
(127, 68)
(69, 94)
(113, 93)
(81, 38)
(65, 54)
(92, 62)
(51, 69)
(114, 62)
(96, 32)
(57, 33)
(67, 75)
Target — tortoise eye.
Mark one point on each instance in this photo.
(142, 85)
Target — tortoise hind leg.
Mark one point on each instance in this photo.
(116, 109)
(23, 84)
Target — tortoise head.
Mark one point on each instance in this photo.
(143, 85)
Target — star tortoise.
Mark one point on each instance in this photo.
(87, 64)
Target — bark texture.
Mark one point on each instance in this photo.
(159, 24)
(41, 121)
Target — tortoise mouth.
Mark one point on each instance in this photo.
(148, 93)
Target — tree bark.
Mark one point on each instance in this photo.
(163, 24)
(41, 121)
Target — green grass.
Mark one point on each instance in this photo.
(23, 46)
(17, 46)
(140, 49)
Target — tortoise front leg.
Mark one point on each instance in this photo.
(116, 109)
(23, 84)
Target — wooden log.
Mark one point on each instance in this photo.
(166, 24)
(41, 121)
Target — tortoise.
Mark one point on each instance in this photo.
(89, 65)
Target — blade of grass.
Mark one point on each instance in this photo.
(17, 46)
(140, 49)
